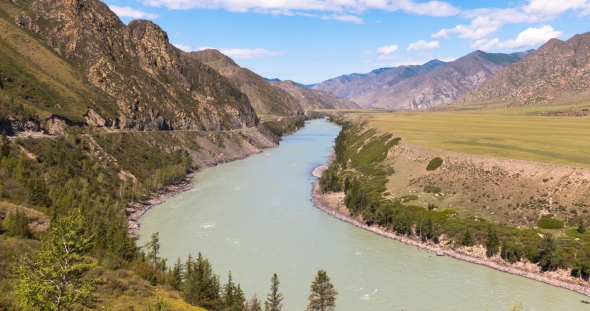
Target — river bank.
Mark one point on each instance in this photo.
(560, 278)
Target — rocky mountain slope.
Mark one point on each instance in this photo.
(265, 98)
(556, 70)
(314, 99)
(354, 85)
(76, 62)
(440, 86)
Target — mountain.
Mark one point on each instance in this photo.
(309, 86)
(314, 99)
(354, 85)
(557, 70)
(265, 98)
(440, 86)
(75, 62)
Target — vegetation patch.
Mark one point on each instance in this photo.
(431, 189)
(434, 164)
(549, 223)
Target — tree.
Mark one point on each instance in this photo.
(467, 238)
(323, 294)
(201, 287)
(253, 305)
(55, 279)
(16, 224)
(581, 226)
(233, 298)
(274, 298)
(493, 243)
(548, 256)
(4, 146)
(153, 248)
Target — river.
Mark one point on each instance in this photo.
(255, 218)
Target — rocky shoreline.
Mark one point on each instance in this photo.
(560, 278)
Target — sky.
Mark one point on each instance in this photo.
(309, 41)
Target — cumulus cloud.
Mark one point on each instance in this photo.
(183, 47)
(348, 18)
(423, 45)
(128, 11)
(245, 53)
(529, 37)
(385, 51)
(479, 28)
(432, 8)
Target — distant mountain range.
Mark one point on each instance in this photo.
(314, 99)
(557, 71)
(413, 87)
(309, 86)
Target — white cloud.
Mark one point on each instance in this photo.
(432, 8)
(423, 45)
(348, 18)
(128, 11)
(245, 53)
(479, 28)
(183, 47)
(385, 51)
(529, 37)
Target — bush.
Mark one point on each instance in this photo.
(434, 164)
(448, 211)
(433, 189)
(550, 223)
(408, 198)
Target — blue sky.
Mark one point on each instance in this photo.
(309, 41)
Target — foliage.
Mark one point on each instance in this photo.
(434, 164)
(274, 298)
(548, 260)
(200, 285)
(159, 305)
(232, 298)
(329, 181)
(323, 295)
(54, 280)
(431, 189)
(4, 146)
(549, 223)
(492, 243)
(511, 252)
(16, 224)
(153, 247)
(467, 239)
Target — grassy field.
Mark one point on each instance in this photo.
(517, 133)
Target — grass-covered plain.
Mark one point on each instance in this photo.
(517, 133)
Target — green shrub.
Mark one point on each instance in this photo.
(434, 164)
(433, 189)
(448, 211)
(408, 198)
(550, 223)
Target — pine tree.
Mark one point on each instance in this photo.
(493, 243)
(253, 305)
(4, 146)
(232, 298)
(467, 238)
(16, 224)
(323, 294)
(548, 256)
(200, 287)
(55, 280)
(274, 298)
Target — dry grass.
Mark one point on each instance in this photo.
(516, 133)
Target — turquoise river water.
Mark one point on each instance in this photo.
(255, 218)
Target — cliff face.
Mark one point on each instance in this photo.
(443, 85)
(143, 81)
(265, 98)
(314, 99)
(556, 70)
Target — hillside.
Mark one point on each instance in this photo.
(266, 99)
(77, 63)
(440, 86)
(557, 70)
(354, 85)
(314, 99)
